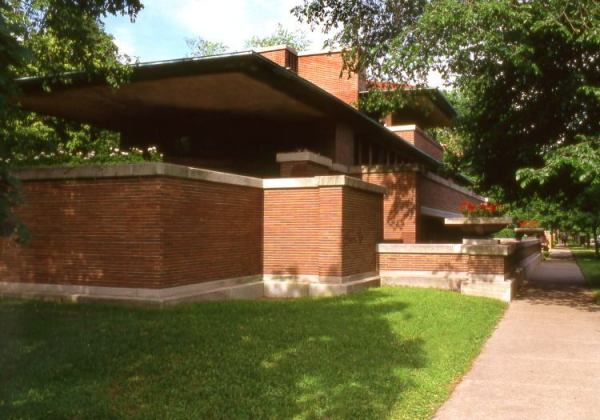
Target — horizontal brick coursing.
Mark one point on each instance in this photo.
(438, 196)
(210, 231)
(476, 264)
(147, 232)
(291, 231)
(362, 231)
(328, 231)
(400, 204)
(324, 71)
(424, 143)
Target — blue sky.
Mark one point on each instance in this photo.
(160, 30)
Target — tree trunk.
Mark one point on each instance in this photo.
(596, 244)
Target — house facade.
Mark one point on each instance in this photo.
(273, 184)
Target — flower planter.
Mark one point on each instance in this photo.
(479, 227)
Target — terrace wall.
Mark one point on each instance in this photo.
(494, 269)
(138, 232)
(321, 232)
(165, 233)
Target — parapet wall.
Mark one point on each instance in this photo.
(161, 232)
(492, 270)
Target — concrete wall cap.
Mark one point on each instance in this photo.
(430, 211)
(498, 249)
(442, 181)
(376, 169)
(322, 181)
(276, 48)
(135, 170)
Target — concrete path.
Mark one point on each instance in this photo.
(543, 361)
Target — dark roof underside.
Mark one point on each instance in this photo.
(244, 84)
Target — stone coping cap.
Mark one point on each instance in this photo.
(308, 156)
(186, 172)
(442, 181)
(478, 220)
(135, 170)
(322, 181)
(496, 249)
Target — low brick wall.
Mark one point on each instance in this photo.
(146, 231)
(162, 232)
(492, 270)
(326, 232)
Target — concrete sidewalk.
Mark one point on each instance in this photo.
(543, 361)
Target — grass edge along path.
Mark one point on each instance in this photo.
(382, 353)
(589, 265)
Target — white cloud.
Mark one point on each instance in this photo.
(124, 39)
(230, 21)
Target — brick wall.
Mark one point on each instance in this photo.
(423, 142)
(435, 195)
(475, 264)
(362, 231)
(291, 231)
(324, 71)
(211, 231)
(277, 56)
(400, 204)
(146, 232)
(326, 231)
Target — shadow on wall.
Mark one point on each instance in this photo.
(401, 192)
(307, 358)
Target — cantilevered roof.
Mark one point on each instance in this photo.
(233, 84)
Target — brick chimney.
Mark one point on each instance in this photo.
(284, 55)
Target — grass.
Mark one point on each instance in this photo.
(383, 353)
(590, 267)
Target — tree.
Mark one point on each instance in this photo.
(50, 39)
(296, 39)
(200, 47)
(529, 71)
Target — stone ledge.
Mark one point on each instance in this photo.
(492, 250)
(226, 288)
(442, 181)
(135, 170)
(322, 181)
(442, 214)
(186, 172)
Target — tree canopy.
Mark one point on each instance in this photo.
(528, 71)
(52, 39)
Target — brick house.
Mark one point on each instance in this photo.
(273, 184)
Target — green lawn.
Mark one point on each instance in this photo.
(384, 353)
(590, 267)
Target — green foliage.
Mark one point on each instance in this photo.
(200, 47)
(590, 267)
(530, 85)
(52, 39)
(296, 39)
(383, 353)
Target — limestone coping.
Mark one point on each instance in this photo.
(430, 211)
(495, 249)
(322, 181)
(442, 181)
(185, 172)
(308, 156)
(413, 127)
(135, 170)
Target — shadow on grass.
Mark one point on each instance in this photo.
(332, 358)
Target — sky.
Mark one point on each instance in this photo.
(160, 30)
(162, 27)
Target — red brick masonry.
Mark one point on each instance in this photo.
(161, 225)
